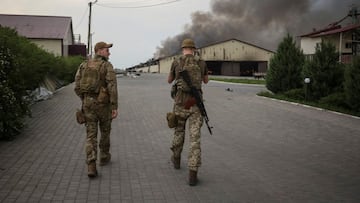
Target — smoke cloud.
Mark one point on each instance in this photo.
(261, 22)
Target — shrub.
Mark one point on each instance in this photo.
(325, 72)
(23, 66)
(352, 84)
(297, 94)
(285, 67)
(13, 106)
(337, 99)
(66, 68)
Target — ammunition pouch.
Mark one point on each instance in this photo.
(173, 91)
(171, 119)
(80, 117)
(103, 96)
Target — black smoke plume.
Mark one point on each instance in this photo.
(261, 22)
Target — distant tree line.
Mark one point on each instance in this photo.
(23, 66)
(330, 83)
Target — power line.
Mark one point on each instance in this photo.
(132, 1)
(82, 18)
(141, 6)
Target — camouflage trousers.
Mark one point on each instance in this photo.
(97, 115)
(193, 115)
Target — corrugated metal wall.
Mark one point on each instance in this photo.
(232, 57)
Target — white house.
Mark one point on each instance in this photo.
(345, 38)
(52, 33)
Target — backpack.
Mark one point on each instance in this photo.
(91, 75)
(195, 71)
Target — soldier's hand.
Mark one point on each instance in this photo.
(114, 114)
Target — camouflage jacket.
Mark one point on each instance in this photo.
(182, 92)
(176, 65)
(109, 81)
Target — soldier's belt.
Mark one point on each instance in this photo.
(189, 91)
(91, 95)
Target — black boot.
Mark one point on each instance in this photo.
(193, 178)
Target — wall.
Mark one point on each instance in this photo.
(165, 64)
(148, 69)
(154, 68)
(234, 50)
(230, 69)
(53, 46)
(229, 53)
(308, 44)
(68, 40)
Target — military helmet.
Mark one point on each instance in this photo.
(189, 43)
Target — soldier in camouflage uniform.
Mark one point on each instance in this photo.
(96, 85)
(185, 107)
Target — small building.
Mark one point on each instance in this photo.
(231, 58)
(342, 38)
(345, 38)
(150, 66)
(52, 33)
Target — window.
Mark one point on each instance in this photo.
(348, 45)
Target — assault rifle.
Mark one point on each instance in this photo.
(196, 94)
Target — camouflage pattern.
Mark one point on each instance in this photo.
(97, 114)
(108, 81)
(188, 43)
(196, 75)
(192, 114)
(195, 119)
(196, 68)
(97, 110)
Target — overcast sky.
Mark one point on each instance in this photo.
(158, 26)
(135, 32)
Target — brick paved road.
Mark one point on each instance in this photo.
(261, 151)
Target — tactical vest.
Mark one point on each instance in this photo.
(192, 65)
(91, 76)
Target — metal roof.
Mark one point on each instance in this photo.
(339, 30)
(38, 27)
(237, 40)
(332, 30)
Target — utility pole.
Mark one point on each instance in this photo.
(356, 33)
(89, 31)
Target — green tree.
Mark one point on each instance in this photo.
(285, 67)
(13, 105)
(325, 72)
(65, 68)
(352, 84)
(23, 66)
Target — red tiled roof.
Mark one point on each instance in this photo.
(38, 27)
(343, 29)
(331, 30)
(322, 30)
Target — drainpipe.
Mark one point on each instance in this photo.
(340, 47)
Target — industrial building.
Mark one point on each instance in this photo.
(231, 58)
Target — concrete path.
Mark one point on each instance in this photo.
(262, 150)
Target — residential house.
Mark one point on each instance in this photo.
(52, 33)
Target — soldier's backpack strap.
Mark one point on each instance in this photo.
(181, 63)
(102, 71)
